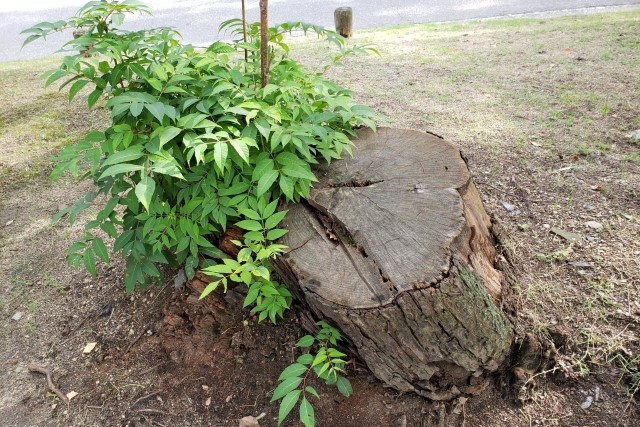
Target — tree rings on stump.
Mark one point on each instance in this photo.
(395, 248)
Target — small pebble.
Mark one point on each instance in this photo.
(8, 223)
(589, 207)
(249, 422)
(635, 135)
(587, 402)
(17, 316)
(593, 224)
(508, 206)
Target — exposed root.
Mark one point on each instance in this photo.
(46, 372)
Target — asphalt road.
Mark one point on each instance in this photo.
(198, 20)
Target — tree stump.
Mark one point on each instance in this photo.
(343, 19)
(395, 248)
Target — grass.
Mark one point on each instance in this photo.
(36, 122)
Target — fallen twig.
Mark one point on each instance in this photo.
(52, 387)
(146, 371)
(145, 397)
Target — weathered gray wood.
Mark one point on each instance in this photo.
(343, 18)
(395, 248)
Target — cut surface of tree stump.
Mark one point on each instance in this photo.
(343, 18)
(395, 248)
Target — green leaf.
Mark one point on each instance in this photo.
(108, 208)
(287, 404)
(276, 233)
(120, 168)
(252, 295)
(249, 213)
(333, 353)
(155, 83)
(270, 209)
(56, 75)
(307, 415)
(133, 274)
(305, 359)
(136, 108)
(144, 191)
(76, 87)
(210, 288)
(249, 224)
(220, 152)
(285, 387)
(90, 262)
(109, 228)
(289, 159)
(167, 167)
(269, 89)
(312, 391)
(324, 367)
(299, 171)
(293, 370)
(263, 127)
(190, 266)
(241, 148)
(238, 110)
(266, 181)
(122, 240)
(306, 341)
(100, 249)
(94, 97)
(321, 356)
(287, 186)
(344, 386)
(157, 109)
(275, 219)
(168, 133)
(128, 155)
(262, 167)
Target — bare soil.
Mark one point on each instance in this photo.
(543, 109)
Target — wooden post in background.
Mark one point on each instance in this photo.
(343, 17)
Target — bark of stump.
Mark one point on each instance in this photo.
(395, 248)
(343, 18)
